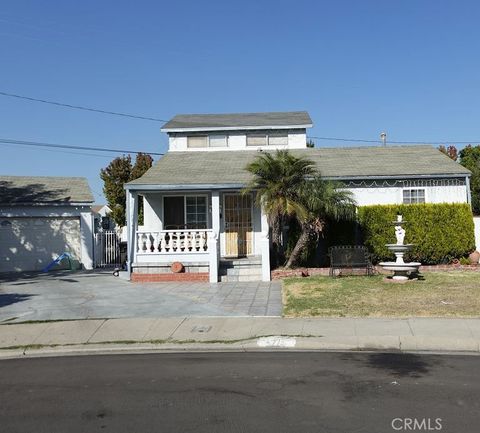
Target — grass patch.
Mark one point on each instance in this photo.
(442, 294)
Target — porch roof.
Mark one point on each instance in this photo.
(224, 169)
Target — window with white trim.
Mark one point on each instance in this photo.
(278, 138)
(194, 141)
(196, 212)
(217, 141)
(272, 138)
(199, 141)
(256, 139)
(411, 196)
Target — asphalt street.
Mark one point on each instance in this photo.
(241, 392)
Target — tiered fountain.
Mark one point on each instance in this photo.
(401, 270)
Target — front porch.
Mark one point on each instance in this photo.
(206, 231)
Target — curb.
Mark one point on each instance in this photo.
(263, 344)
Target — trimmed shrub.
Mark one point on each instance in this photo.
(440, 232)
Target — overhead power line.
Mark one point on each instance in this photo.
(79, 107)
(392, 142)
(154, 119)
(66, 146)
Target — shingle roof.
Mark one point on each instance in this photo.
(44, 189)
(300, 119)
(228, 167)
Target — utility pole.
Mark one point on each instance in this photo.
(383, 137)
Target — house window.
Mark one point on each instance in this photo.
(195, 141)
(217, 141)
(199, 141)
(184, 212)
(256, 139)
(273, 138)
(413, 196)
(196, 215)
(277, 138)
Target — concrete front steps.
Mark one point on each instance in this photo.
(242, 269)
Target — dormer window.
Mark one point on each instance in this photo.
(194, 141)
(277, 138)
(217, 141)
(199, 141)
(272, 138)
(256, 139)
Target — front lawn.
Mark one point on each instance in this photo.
(442, 294)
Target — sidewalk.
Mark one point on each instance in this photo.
(239, 333)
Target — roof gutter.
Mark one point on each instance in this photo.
(213, 186)
(235, 128)
(196, 187)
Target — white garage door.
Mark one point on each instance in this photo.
(30, 244)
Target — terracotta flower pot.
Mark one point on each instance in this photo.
(177, 267)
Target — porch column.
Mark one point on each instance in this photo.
(86, 231)
(215, 241)
(265, 246)
(132, 225)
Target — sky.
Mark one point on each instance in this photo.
(409, 68)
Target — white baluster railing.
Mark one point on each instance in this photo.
(173, 241)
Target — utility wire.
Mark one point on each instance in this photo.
(79, 107)
(392, 142)
(13, 146)
(153, 119)
(65, 146)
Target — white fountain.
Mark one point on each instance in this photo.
(401, 270)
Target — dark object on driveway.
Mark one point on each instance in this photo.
(346, 257)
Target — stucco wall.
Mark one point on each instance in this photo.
(297, 139)
(394, 195)
(476, 221)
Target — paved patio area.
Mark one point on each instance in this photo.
(82, 295)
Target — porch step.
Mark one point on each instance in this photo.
(247, 261)
(240, 278)
(245, 269)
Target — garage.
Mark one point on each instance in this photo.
(30, 244)
(41, 218)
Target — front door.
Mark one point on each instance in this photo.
(238, 225)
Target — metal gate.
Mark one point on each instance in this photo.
(107, 250)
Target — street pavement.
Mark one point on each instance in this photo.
(240, 334)
(87, 295)
(241, 392)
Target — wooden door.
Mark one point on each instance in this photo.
(238, 225)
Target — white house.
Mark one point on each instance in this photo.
(43, 217)
(102, 219)
(195, 214)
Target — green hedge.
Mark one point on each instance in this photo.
(440, 232)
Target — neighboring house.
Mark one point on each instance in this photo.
(194, 212)
(102, 220)
(42, 217)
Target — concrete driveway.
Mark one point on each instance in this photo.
(83, 295)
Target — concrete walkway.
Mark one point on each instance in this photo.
(92, 295)
(239, 333)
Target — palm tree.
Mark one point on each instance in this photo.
(318, 201)
(276, 179)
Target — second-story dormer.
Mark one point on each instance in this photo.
(242, 131)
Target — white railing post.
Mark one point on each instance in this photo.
(265, 247)
(213, 258)
(196, 241)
